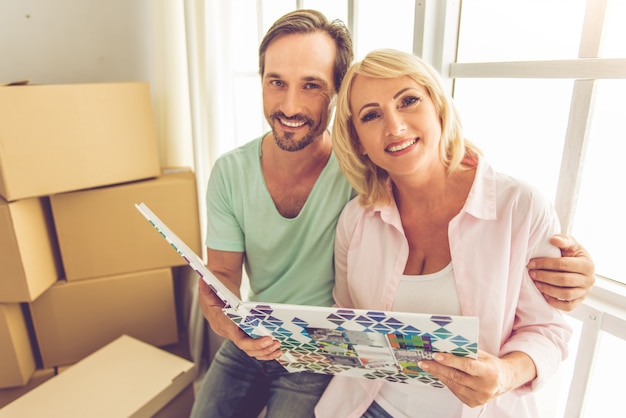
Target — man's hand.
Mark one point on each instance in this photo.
(564, 281)
(264, 348)
(476, 382)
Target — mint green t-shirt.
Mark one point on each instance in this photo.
(287, 260)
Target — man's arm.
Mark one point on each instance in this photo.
(564, 281)
(227, 266)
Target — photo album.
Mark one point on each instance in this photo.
(370, 344)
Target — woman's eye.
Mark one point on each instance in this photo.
(368, 116)
(409, 100)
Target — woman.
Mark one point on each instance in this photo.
(435, 230)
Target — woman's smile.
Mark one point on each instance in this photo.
(401, 146)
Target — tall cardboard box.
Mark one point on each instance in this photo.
(63, 137)
(17, 361)
(73, 319)
(29, 256)
(126, 378)
(101, 233)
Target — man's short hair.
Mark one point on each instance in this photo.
(311, 21)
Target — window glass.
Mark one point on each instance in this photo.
(600, 222)
(271, 10)
(390, 26)
(614, 30)
(243, 32)
(248, 103)
(520, 30)
(333, 9)
(605, 394)
(519, 124)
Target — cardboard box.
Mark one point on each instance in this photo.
(72, 319)
(17, 361)
(59, 138)
(8, 395)
(101, 233)
(126, 378)
(29, 257)
(180, 406)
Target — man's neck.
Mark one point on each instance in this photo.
(295, 163)
(290, 176)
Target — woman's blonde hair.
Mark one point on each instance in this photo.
(369, 180)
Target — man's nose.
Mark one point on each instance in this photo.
(292, 102)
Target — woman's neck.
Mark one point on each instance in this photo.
(439, 191)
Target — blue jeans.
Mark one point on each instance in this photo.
(237, 385)
(376, 411)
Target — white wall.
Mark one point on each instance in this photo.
(90, 41)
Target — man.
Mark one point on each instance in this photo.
(279, 220)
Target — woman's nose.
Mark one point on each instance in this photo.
(394, 124)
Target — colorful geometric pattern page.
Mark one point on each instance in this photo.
(359, 343)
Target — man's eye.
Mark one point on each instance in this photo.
(311, 86)
(276, 83)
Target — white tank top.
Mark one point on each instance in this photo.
(428, 293)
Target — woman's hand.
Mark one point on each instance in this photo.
(476, 382)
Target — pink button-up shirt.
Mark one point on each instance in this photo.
(503, 224)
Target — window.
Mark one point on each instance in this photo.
(522, 123)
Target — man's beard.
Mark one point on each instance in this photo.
(286, 142)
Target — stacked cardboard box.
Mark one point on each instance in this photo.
(79, 265)
(118, 270)
(59, 138)
(29, 259)
(18, 363)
